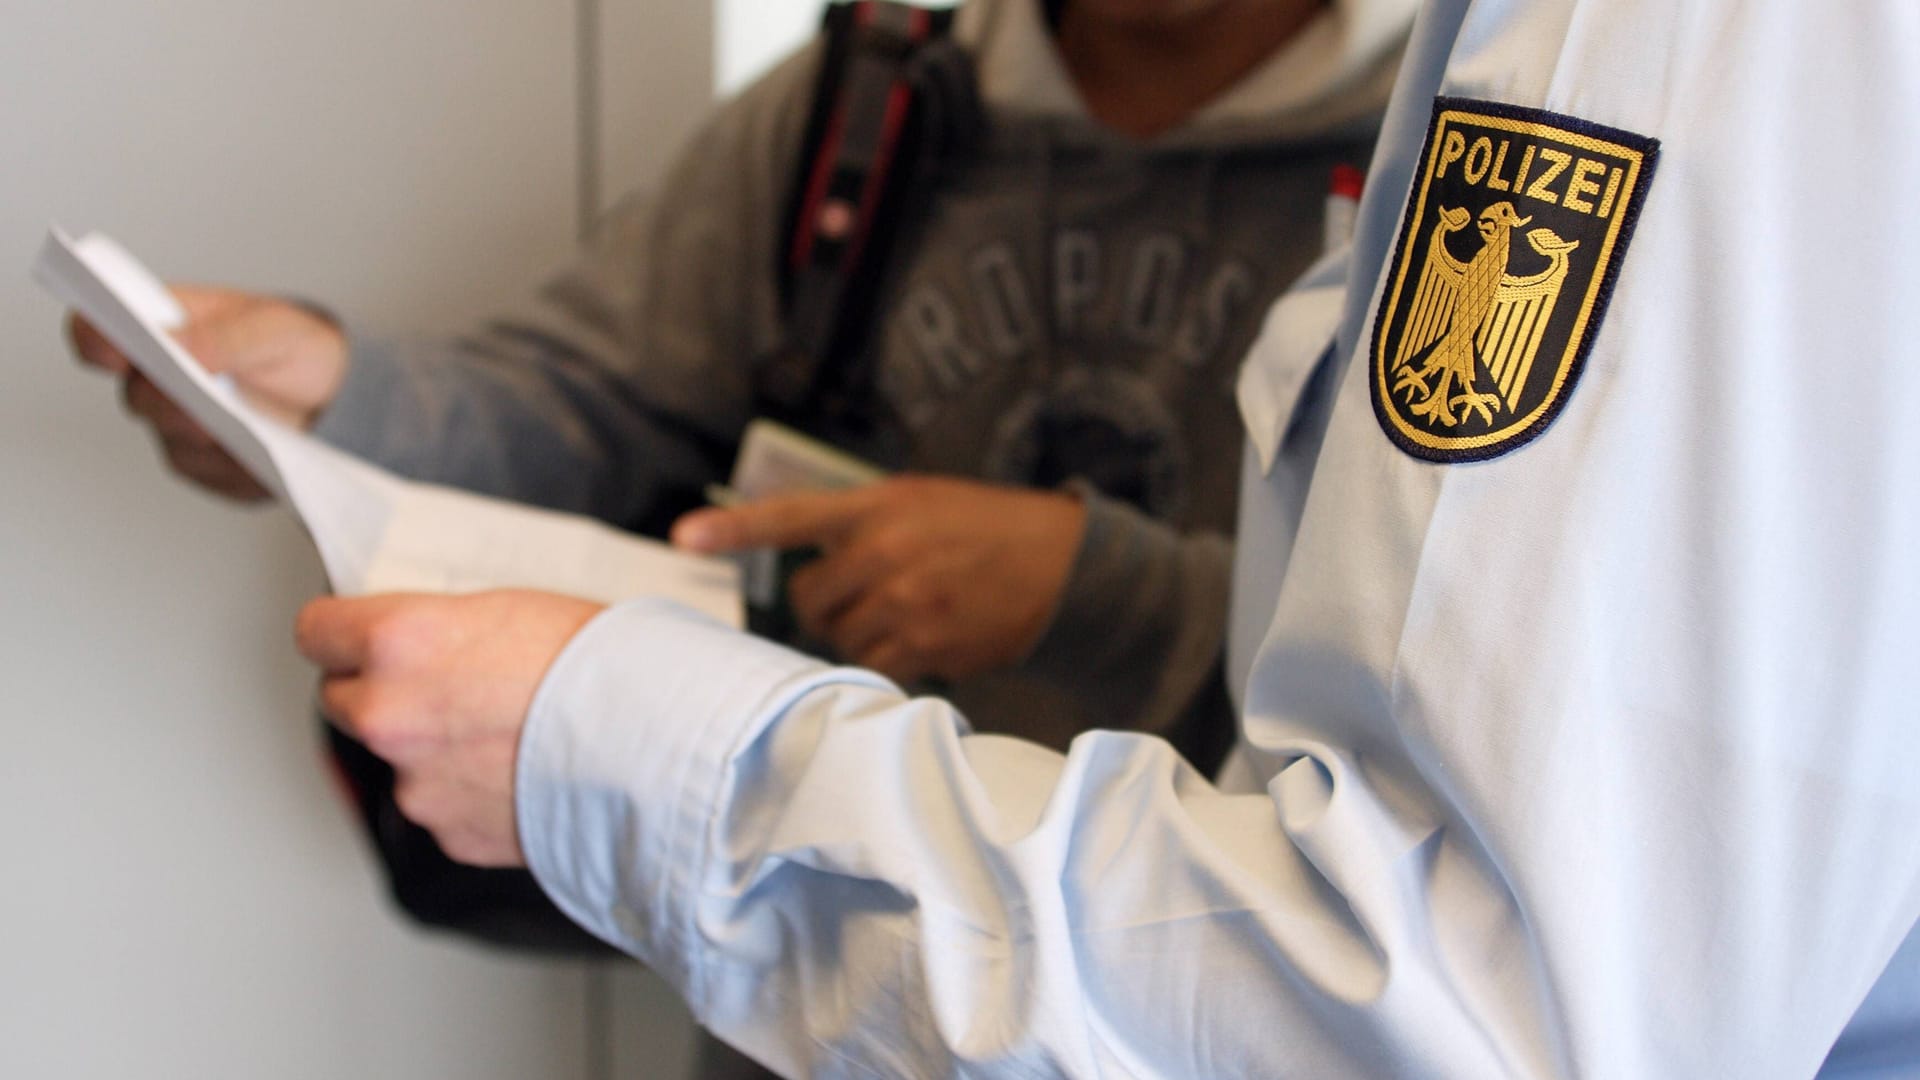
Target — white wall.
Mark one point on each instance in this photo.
(652, 75)
(181, 895)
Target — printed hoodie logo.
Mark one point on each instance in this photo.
(1510, 247)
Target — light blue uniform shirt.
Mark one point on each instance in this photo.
(1599, 758)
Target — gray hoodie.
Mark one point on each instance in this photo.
(1071, 310)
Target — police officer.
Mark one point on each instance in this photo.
(1574, 614)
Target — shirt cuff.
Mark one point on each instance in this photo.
(624, 765)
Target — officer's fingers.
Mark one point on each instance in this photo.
(343, 635)
(418, 798)
(819, 519)
(479, 847)
(377, 716)
(384, 634)
(93, 348)
(341, 698)
(332, 632)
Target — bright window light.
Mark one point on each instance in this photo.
(751, 36)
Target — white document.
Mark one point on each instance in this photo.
(775, 459)
(375, 531)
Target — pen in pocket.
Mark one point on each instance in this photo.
(1343, 205)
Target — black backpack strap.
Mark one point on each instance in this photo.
(894, 97)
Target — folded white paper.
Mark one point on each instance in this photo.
(375, 531)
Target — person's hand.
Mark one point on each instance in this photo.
(439, 687)
(287, 360)
(918, 576)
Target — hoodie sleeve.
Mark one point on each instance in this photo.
(628, 376)
(1141, 626)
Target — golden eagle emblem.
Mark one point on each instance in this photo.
(1474, 356)
(1478, 308)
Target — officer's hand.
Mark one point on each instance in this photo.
(288, 361)
(918, 576)
(439, 687)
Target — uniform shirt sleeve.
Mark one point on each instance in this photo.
(843, 881)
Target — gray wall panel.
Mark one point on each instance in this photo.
(184, 897)
(651, 85)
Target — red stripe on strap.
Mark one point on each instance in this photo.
(817, 190)
(899, 99)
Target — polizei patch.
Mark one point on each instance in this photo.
(1512, 240)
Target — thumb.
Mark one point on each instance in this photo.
(343, 635)
(225, 331)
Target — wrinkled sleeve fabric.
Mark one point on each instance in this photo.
(844, 882)
(630, 374)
